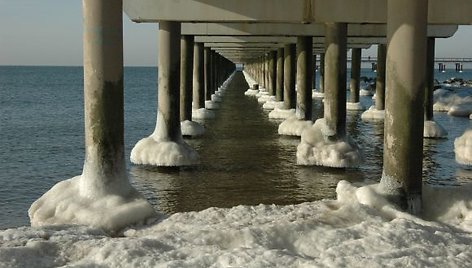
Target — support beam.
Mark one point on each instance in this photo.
(403, 138)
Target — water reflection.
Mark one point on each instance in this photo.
(244, 161)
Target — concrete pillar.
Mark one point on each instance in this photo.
(279, 90)
(104, 165)
(428, 104)
(272, 72)
(354, 84)
(380, 80)
(289, 76)
(403, 139)
(314, 72)
(335, 78)
(207, 68)
(198, 77)
(168, 123)
(322, 71)
(266, 73)
(304, 76)
(186, 77)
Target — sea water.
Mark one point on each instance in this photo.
(244, 160)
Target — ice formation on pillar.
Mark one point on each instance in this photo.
(216, 98)
(265, 98)
(365, 92)
(463, 148)
(293, 126)
(354, 106)
(373, 114)
(317, 94)
(109, 207)
(251, 92)
(211, 105)
(159, 150)
(358, 229)
(190, 128)
(279, 113)
(454, 101)
(433, 130)
(202, 113)
(272, 104)
(317, 149)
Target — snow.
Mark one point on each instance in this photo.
(202, 113)
(190, 128)
(354, 106)
(317, 94)
(212, 105)
(358, 229)
(70, 202)
(433, 129)
(463, 148)
(279, 113)
(373, 114)
(316, 148)
(293, 126)
(457, 101)
(152, 151)
(272, 104)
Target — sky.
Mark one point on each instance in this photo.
(49, 32)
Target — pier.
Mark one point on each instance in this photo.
(278, 43)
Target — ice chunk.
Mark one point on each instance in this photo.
(202, 113)
(191, 128)
(293, 126)
(433, 130)
(354, 106)
(272, 104)
(152, 151)
(373, 114)
(279, 113)
(463, 148)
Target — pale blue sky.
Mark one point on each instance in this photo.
(49, 32)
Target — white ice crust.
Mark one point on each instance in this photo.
(463, 148)
(211, 105)
(373, 114)
(455, 101)
(68, 202)
(354, 106)
(316, 149)
(251, 92)
(293, 126)
(152, 151)
(272, 104)
(265, 98)
(433, 130)
(202, 113)
(365, 92)
(216, 98)
(191, 128)
(317, 94)
(358, 229)
(279, 113)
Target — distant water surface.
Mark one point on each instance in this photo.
(244, 160)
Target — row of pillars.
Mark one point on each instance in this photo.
(459, 67)
(403, 72)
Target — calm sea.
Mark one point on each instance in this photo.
(244, 160)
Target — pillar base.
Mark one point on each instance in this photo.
(216, 98)
(191, 128)
(366, 92)
(317, 149)
(202, 113)
(373, 115)
(293, 126)
(265, 98)
(354, 106)
(63, 204)
(393, 191)
(317, 94)
(150, 151)
(433, 130)
(251, 92)
(211, 105)
(271, 105)
(463, 148)
(279, 113)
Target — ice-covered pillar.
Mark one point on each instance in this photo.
(272, 72)
(380, 80)
(322, 71)
(335, 79)
(403, 138)
(165, 147)
(355, 75)
(289, 76)
(186, 76)
(428, 103)
(198, 77)
(304, 76)
(207, 71)
(86, 199)
(279, 90)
